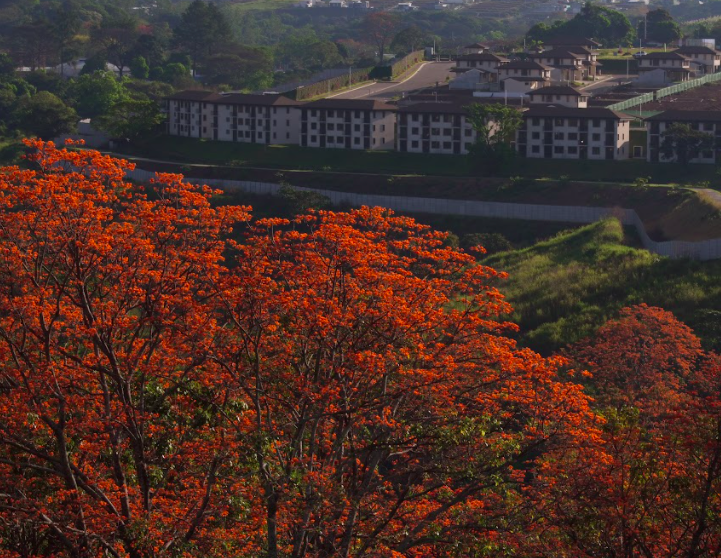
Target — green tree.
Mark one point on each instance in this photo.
(496, 126)
(409, 39)
(45, 115)
(659, 26)
(95, 94)
(610, 27)
(66, 23)
(131, 119)
(202, 30)
(682, 143)
(139, 68)
(380, 28)
(246, 68)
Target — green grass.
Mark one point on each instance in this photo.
(10, 151)
(562, 289)
(292, 157)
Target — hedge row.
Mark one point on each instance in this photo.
(332, 84)
(618, 65)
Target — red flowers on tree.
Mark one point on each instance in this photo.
(341, 388)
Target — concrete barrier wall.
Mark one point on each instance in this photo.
(703, 250)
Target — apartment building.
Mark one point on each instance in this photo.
(702, 121)
(234, 117)
(555, 132)
(704, 60)
(559, 95)
(676, 67)
(435, 127)
(347, 123)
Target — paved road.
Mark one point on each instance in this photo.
(426, 76)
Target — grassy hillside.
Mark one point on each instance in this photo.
(562, 289)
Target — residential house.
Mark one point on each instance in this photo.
(519, 76)
(704, 60)
(568, 65)
(485, 62)
(674, 66)
(476, 48)
(555, 132)
(347, 123)
(701, 120)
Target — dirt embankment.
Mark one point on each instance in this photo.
(668, 213)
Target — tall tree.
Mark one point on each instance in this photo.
(659, 26)
(495, 126)
(44, 115)
(380, 28)
(680, 142)
(202, 30)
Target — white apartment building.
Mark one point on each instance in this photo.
(347, 123)
(435, 127)
(703, 121)
(574, 133)
(704, 60)
(558, 95)
(263, 119)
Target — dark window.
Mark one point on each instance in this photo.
(558, 149)
(535, 149)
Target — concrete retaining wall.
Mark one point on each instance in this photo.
(703, 250)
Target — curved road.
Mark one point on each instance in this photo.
(424, 76)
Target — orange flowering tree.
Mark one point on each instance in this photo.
(110, 441)
(387, 411)
(650, 485)
(342, 387)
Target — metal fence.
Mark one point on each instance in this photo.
(665, 92)
(704, 250)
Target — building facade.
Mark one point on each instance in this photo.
(348, 124)
(441, 127)
(708, 122)
(574, 133)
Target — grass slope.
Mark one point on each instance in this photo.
(563, 288)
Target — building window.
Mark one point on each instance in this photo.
(414, 143)
(446, 145)
(356, 127)
(447, 132)
(595, 150)
(414, 118)
(356, 141)
(596, 137)
(573, 122)
(414, 131)
(573, 136)
(331, 126)
(572, 150)
(331, 140)
(558, 121)
(535, 149)
(596, 122)
(313, 138)
(313, 112)
(468, 133)
(435, 144)
(558, 149)
(331, 114)
(383, 127)
(536, 135)
(559, 136)
(536, 121)
(313, 126)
